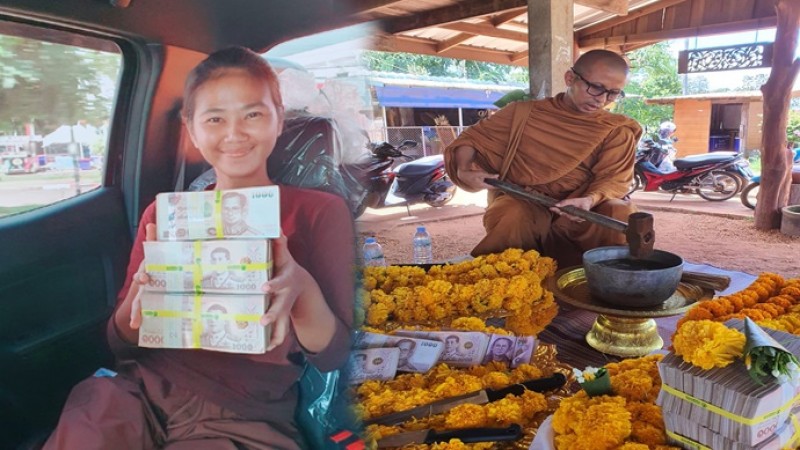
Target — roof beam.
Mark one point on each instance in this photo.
(618, 7)
(519, 56)
(508, 16)
(705, 30)
(453, 13)
(632, 15)
(487, 30)
(420, 46)
(453, 41)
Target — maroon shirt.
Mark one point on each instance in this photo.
(321, 239)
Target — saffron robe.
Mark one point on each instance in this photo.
(563, 154)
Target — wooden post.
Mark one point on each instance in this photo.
(776, 160)
(550, 37)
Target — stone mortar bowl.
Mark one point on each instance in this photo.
(619, 280)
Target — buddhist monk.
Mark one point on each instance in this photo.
(570, 148)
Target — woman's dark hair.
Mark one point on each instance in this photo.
(220, 61)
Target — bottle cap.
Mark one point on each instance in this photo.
(420, 228)
(369, 240)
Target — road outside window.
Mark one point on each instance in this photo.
(55, 109)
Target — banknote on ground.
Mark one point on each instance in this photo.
(224, 323)
(461, 348)
(231, 266)
(251, 213)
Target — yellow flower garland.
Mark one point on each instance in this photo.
(506, 284)
(627, 420)
(708, 344)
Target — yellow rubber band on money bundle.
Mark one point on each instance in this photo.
(218, 213)
(696, 445)
(687, 442)
(729, 415)
(170, 314)
(198, 268)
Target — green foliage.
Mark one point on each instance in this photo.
(427, 65)
(793, 129)
(53, 84)
(654, 73)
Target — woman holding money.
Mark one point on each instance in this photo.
(164, 398)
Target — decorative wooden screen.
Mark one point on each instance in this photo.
(744, 56)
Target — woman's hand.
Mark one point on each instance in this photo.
(288, 284)
(140, 279)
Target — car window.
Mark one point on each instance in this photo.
(57, 90)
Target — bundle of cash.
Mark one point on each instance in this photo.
(225, 323)
(416, 355)
(222, 266)
(461, 348)
(779, 439)
(252, 213)
(373, 364)
(725, 404)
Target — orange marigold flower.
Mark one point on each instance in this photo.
(466, 416)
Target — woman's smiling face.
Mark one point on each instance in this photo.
(235, 125)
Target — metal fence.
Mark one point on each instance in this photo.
(430, 140)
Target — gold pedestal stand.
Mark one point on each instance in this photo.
(622, 332)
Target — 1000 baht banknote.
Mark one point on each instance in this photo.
(224, 323)
(221, 266)
(249, 213)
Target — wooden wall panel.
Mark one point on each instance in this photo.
(755, 117)
(692, 119)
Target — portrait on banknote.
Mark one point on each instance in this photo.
(217, 332)
(220, 278)
(523, 350)
(407, 348)
(452, 350)
(500, 349)
(372, 364)
(234, 215)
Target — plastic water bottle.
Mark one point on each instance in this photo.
(423, 250)
(373, 253)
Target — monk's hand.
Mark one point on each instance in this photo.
(584, 203)
(285, 288)
(140, 279)
(472, 179)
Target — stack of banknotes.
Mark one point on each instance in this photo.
(380, 356)
(251, 213)
(724, 408)
(207, 269)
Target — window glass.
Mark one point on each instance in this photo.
(57, 90)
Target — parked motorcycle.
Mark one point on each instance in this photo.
(750, 193)
(657, 152)
(710, 175)
(418, 181)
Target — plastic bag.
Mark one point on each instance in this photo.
(324, 410)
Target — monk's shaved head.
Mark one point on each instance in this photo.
(587, 61)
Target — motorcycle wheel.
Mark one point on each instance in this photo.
(717, 186)
(636, 183)
(743, 182)
(451, 192)
(750, 194)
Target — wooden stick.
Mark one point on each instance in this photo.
(706, 280)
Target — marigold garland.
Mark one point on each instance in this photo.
(708, 344)
(506, 284)
(377, 398)
(627, 420)
(768, 297)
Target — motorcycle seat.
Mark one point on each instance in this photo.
(690, 162)
(419, 167)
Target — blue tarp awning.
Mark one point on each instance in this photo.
(436, 97)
